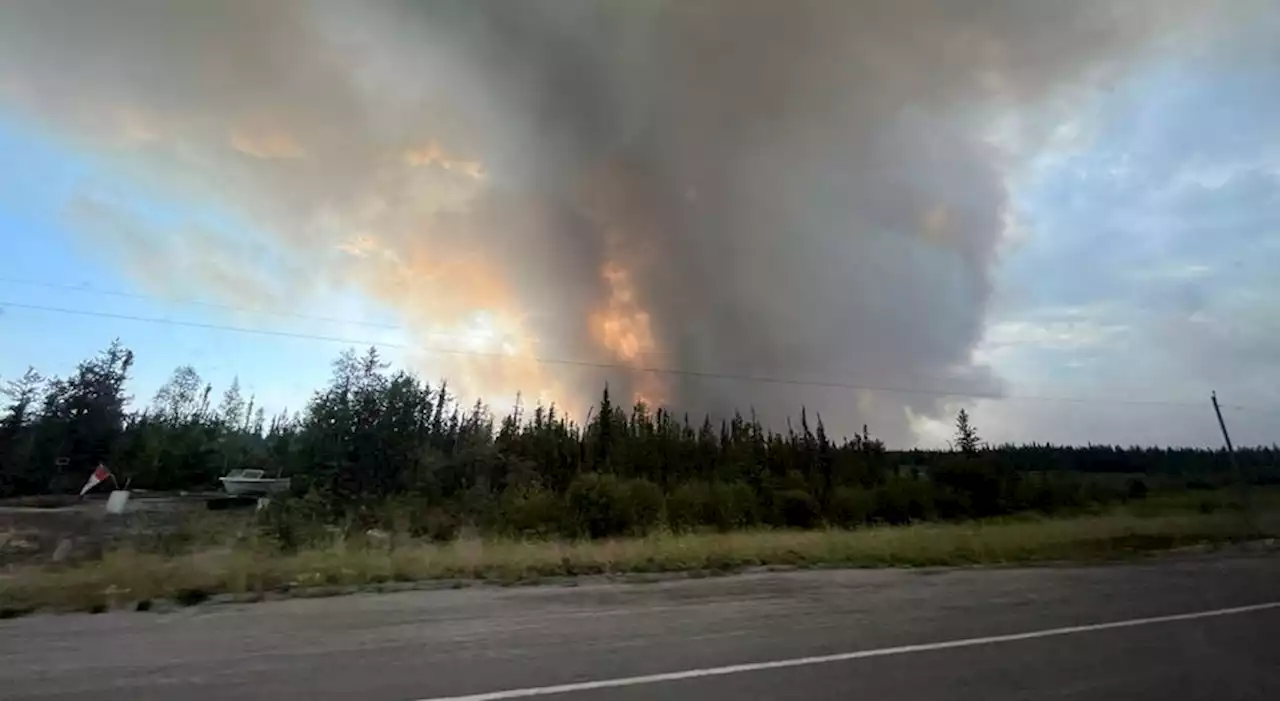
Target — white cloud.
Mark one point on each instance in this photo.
(1174, 272)
(1065, 334)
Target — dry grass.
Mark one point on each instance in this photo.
(253, 567)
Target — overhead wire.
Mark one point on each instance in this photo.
(193, 302)
(598, 365)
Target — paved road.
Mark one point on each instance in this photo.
(429, 645)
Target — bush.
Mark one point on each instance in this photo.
(945, 503)
(645, 501)
(396, 515)
(600, 506)
(736, 505)
(293, 522)
(851, 506)
(797, 508)
(1136, 489)
(530, 512)
(416, 515)
(1050, 495)
(1098, 492)
(902, 500)
(688, 506)
(974, 486)
(725, 506)
(434, 523)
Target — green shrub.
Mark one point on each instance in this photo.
(724, 506)
(294, 522)
(530, 512)
(600, 506)
(851, 506)
(737, 505)
(1098, 492)
(1136, 489)
(435, 523)
(797, 508)
(969, 486)
(1050, 495)
(395, 515)
(418, 516)
(902, 500)
(646, 504)
(688, 506)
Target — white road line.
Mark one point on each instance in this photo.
(844, 656)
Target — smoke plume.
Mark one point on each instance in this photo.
(811, 190)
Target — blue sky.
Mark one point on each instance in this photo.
(1144, 272)
(46, 259)
(1149, 270)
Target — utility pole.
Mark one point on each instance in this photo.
(1225, 436)
(1235, 466)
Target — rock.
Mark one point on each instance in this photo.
(61, 552)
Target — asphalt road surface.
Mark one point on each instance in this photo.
(1172, 630)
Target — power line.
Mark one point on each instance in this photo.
(701, 374)
(225, 307)
(195, 303)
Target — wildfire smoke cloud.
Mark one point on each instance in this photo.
(809, 189)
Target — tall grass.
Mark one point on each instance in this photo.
(255, 566)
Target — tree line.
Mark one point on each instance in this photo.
(374, 436)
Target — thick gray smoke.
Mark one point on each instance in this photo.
(810, 189)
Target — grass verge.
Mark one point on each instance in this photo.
(125, 576)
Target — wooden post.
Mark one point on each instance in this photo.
(1236, 474)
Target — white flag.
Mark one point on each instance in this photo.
(98, 475)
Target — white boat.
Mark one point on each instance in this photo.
(251, 483)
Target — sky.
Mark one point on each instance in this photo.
(1066, 221)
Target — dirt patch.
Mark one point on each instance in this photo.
(66, 529)
(42, 501)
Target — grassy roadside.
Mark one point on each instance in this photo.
(124, 577)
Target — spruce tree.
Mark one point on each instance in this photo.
(967, 440)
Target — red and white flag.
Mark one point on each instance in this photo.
(98, 475)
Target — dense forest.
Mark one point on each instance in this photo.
(374, 435)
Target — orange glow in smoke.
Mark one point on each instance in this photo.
(460, 304)
(623, 327)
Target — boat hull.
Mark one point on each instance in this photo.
(249, 487)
